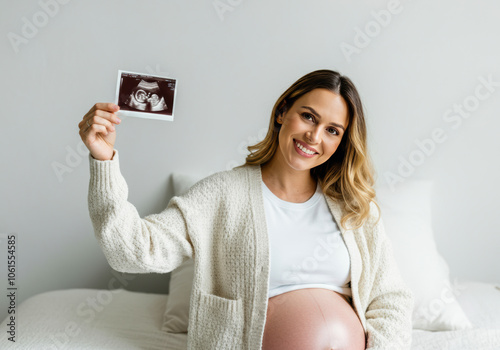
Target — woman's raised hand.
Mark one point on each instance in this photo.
(100, 136)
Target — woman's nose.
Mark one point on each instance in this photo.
(313, 135)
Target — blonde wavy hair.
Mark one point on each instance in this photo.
(348, 175)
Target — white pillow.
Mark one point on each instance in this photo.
(406, 212)
(175, 319)
(176, 316)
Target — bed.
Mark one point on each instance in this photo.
(461, 315)
(133, 320)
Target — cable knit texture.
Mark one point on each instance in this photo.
(220, 223)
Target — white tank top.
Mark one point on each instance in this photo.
(306, 246)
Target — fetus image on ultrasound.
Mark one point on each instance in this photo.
(146, 96)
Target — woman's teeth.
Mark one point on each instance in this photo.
(305, 150)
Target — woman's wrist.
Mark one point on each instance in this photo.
(102, 160)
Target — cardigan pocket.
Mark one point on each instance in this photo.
(219, 323)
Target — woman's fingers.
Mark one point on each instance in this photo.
(95, 128)
(109, 116)
(105, 106)
(101, 121)
(90, 133)
(99, 116)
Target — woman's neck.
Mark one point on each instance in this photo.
(288, 184)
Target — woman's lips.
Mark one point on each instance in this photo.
(302, 153)
(305, 145)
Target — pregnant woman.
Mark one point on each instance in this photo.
(289, 248)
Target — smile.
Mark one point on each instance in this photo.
(302, 150)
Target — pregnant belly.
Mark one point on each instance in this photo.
(312, 319)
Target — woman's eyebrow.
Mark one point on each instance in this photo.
(317, 114)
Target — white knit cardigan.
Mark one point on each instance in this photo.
(220, 223)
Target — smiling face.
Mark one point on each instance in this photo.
(317, 121)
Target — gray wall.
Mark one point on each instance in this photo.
(425, 58)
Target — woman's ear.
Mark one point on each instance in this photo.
(281, 112)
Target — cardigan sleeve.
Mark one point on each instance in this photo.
(391, 301)
(156, 243)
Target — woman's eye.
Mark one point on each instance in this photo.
(306, 115)
(333, 132)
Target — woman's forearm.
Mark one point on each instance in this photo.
(156, 243)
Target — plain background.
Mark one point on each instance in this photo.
(231, 68)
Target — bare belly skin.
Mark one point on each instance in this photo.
(312, 319)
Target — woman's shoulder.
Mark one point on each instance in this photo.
(221, 182)
(372, 225)
(375, 213)
(235, 174)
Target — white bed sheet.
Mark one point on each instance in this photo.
(481, 303)
(126, 320)
(132, 320)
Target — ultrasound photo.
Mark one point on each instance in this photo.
(145, 95)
